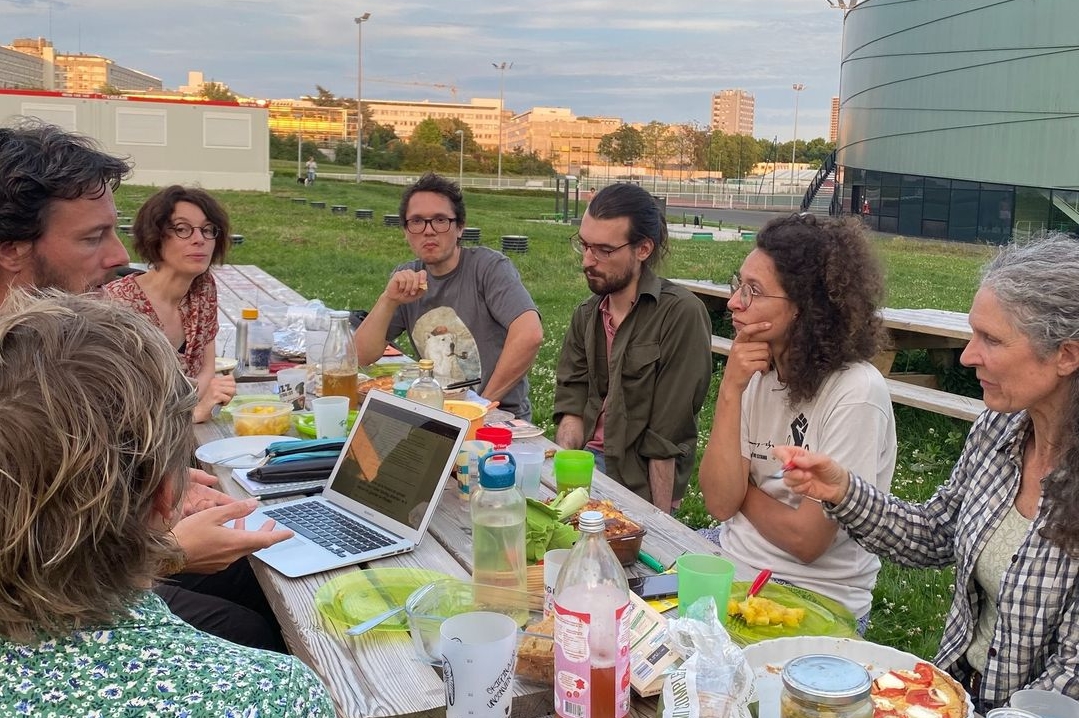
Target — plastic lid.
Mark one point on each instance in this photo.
(497, 435)
(591, 522)
(826, 680)
(497, 474)
(249, 313)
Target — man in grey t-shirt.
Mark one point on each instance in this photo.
(464, 308)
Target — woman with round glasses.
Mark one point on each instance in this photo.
(804, 309)
(179, 233)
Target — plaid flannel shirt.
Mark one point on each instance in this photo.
(1036, 640)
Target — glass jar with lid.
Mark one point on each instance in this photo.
(822, 686)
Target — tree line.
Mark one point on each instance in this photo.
(441, 144)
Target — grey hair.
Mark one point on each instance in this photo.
(1038, 283)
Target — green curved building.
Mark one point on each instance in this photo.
(959, 119)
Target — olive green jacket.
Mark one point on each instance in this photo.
(655, 382)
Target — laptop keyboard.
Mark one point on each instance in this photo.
(329, 529)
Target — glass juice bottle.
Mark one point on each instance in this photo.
(339, 364)
(426, 390)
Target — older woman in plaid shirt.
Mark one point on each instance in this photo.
(1008, 518)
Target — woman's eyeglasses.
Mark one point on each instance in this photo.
(747, 292)
(184, 230)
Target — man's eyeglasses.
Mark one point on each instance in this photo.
(418, 225)
(599, 251)
(747, 292)
(184, 230)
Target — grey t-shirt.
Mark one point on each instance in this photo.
(462, 320)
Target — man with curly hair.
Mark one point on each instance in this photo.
(636, 360)
(804, 309)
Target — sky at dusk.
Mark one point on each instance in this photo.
(639, 61)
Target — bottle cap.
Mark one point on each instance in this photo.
(500, 473)
(427, 364)
(249, 313)
(591, 522)
(339, 313)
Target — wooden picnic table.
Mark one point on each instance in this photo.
(378, 673)
(943, 334)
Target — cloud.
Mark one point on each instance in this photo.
(626, 58)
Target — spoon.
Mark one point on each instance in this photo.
(361, 628)
(779, 474)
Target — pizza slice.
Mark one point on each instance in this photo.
(924, 692)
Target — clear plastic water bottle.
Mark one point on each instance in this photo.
(258, 343)
(340, 368)
(591, 606)
(498, 525)
(426, 390)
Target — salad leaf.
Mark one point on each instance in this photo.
(544, 530)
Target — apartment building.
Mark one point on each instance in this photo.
(44, 68)
(733, 112)
(570, 143)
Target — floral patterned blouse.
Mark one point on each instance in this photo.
(198, 312)
(150, 663)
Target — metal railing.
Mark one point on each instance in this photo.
(826, 169)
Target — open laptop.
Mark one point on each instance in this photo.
(381, 494)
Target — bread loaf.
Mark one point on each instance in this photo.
(535, 655)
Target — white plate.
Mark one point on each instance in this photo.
(768, 657)
(222, 448)
(224, 364)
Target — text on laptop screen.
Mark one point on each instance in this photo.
(394, 461)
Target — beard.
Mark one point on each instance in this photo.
(603, 284)
(47, 277)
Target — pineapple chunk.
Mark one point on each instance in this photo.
(759, 611)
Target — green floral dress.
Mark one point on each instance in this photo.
(150, 663)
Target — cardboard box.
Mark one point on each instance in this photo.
(651, 652)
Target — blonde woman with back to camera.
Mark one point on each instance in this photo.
(86, 509)
(1008, 517)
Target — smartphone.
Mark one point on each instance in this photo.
(664, 584)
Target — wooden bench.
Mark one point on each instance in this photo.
(920, 397)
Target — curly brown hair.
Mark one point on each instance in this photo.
(829, 270)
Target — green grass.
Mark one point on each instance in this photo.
(346, 263)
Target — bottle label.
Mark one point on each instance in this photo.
(591, 662)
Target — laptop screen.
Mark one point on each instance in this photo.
(395, 461)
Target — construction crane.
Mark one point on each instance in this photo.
(391, 81)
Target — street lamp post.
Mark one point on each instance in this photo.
(359, 93)
(797, 87)
(460, 156)
(501, 67)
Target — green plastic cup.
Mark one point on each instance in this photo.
(573, 468)
(704, 574)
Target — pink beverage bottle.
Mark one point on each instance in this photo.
(591, 606)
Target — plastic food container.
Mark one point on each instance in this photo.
(271, 418)
(432, 604)
(475, 413)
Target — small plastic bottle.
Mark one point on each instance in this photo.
(498, 525)
(591, 635)
(259, 343)
(404, 378)
(426, 390)
(340, 368)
